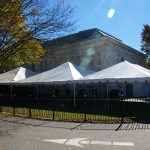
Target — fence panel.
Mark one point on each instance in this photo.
(80, 109)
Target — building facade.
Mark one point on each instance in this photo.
(93, 49)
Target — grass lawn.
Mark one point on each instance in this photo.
(59, 115)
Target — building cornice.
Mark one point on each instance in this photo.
(82, 43)
(103, 40)
(121, 44)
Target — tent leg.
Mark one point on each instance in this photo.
(74, 95)
(13, 105)
(37, 93)
(11, 97)
(107, 89)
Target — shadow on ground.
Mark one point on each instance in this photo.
(141, 125)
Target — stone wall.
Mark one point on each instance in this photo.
(95, 54)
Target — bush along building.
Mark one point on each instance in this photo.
(93, 49)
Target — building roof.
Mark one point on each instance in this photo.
(16, 75)
(63, 72)
(83, 36)
(121, 72)
(78, 37)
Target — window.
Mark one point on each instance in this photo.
(99, 58)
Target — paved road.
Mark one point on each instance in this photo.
(29, 134)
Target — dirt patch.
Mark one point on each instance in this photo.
(2, 115)
(1, 148)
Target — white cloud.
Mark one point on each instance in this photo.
(111, 13)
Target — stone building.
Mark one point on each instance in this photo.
(91, 48)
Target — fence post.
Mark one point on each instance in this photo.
(74, 95)
(13, 110)
(85, 107)
(30, 112)
(12, 101)
(122, 115)
(53, 100)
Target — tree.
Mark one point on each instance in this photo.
(24, 24)
(145, 41)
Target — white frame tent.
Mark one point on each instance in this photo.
(61, 73)
(66, 74)
(9, 78)
(120, 74)
(56, 76)
(15, 75)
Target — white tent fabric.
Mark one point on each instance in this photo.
(63, 72)
(121, 72)
(16, 75)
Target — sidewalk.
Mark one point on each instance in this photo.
(73, 125)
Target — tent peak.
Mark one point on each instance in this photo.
(75, 74)
(67, 63)
(63, 72)
(16, 75)
(121, 72)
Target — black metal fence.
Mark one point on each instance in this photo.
(65, 102)
(79, 109)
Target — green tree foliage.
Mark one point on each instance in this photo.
(24, 24)
(145, 41)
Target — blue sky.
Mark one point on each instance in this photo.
(126, 23)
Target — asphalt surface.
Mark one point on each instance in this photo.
(29, 134)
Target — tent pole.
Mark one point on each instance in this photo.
(102, 87)
(74, 94)
(12, 99)
(37, 93)
(94, 87)
(11, 91)
(107, 90)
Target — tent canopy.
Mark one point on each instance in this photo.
(121, 72)
(63, 72)
(16, 75)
